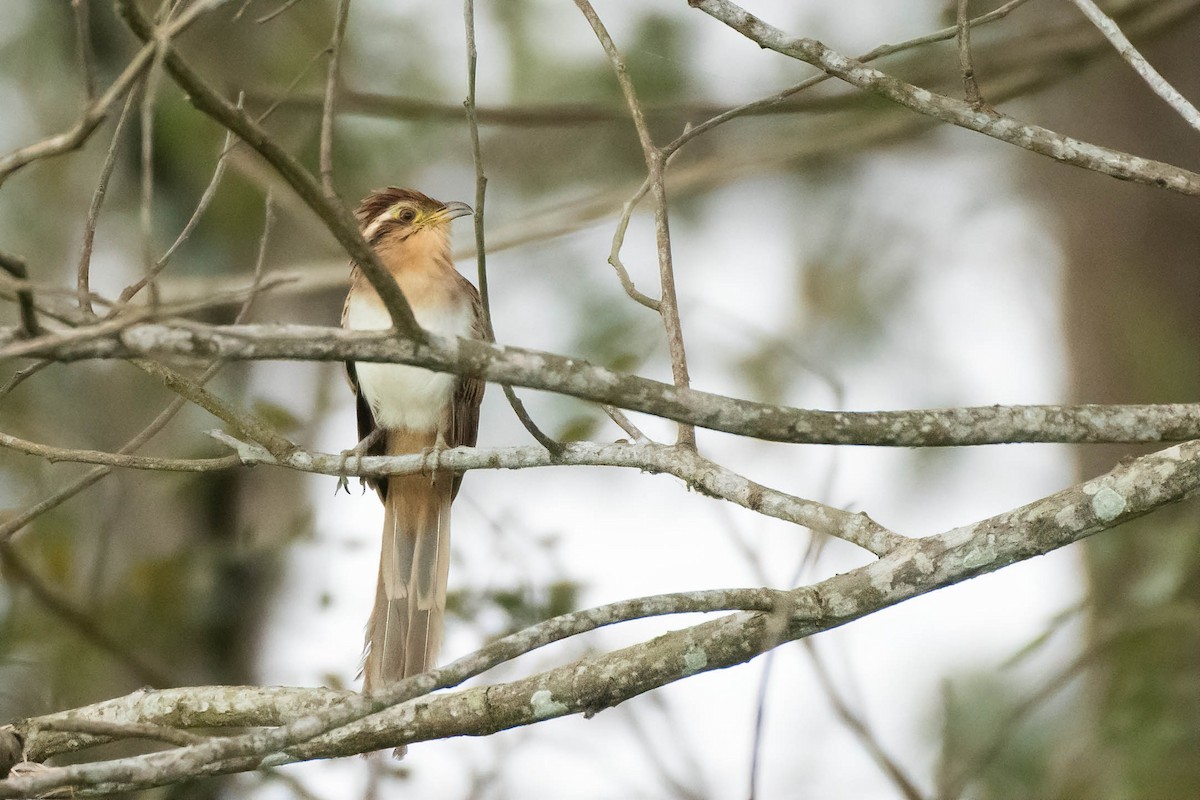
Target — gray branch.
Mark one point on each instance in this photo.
(516, 366)
(320, 723)
(987, 121)
(700, 474)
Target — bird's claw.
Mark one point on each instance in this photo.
(431, 457)
(357, 452)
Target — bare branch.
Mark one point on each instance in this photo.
(83, 38)
(307, 714)
(965, 63)
(56, 454)
(331, 88)
(577, 378)
(15, 266)
(122, 730)
(97, 111)
(1139, 63)
(656, 165)
(1028, 136)
(518, 406)
(700, 474)
(336, 217)
(83, 271)
(1130, 490)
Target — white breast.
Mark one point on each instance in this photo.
(402, 396)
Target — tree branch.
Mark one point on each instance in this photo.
(97, 111)
(656, 163)
(331, 89)
(1140, 65)
(335, 216)
(1130, 490)
(700, 474)
(1028, 136)
(577, 378)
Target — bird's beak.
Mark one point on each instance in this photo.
(455, 209)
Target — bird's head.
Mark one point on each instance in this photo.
(396, 214)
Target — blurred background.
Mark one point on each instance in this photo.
(836, 252)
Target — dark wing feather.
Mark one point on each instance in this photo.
(468, 392)
(366, 426)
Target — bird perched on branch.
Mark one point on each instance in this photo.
(403, 409)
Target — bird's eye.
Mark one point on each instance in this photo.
(407, 215)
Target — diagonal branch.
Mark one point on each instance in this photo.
(1028, 136)
(1132, 489)
(97, 110)
(1140, 65)
(336, 217)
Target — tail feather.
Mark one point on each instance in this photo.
(404, 633)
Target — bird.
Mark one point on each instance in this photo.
(405, 409)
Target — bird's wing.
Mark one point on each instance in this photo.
(468, 392)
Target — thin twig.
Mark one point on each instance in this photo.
(965, 62)
(273, 14)
(157, 265)
(54, 454)
(291, 87)
(146, 208)
(122, 730)
(618, 240)
(260, 261)
(655, 165)
(859, 727)
(336, 216)
(1148, 73)
(83, 271)
(518, 406)
(1002, 127)
(331, 89)
(24, 374)
(98, 110)
(83, 39)
(765, 103)
(13, 524)
(625, 423)
(15, 266)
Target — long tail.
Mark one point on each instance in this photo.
(405, 629)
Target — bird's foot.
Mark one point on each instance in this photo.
(431, 457)
(357, 452)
